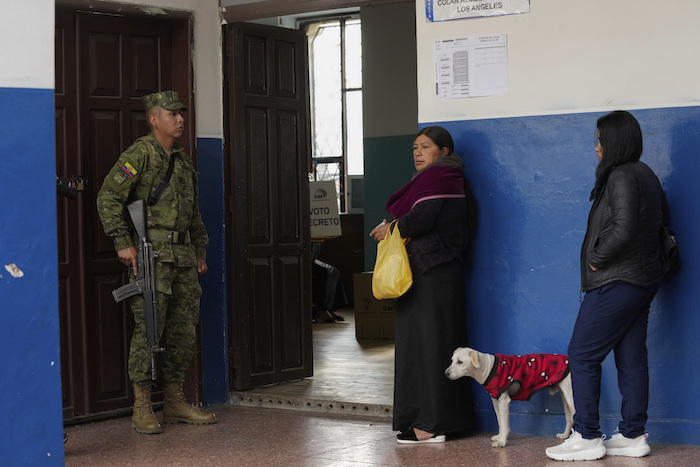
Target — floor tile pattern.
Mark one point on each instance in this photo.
(341, 418)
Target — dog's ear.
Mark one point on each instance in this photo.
(475, 359)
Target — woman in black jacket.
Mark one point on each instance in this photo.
(437, 211)
(621, 268)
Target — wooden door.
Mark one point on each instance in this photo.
(104, 65)
(268, 235)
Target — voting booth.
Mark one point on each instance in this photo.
(323, 203)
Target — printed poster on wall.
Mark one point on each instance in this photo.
(471, 66)
(445, 10)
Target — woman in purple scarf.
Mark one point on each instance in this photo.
(437, 212)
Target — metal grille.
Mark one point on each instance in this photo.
(335, 51)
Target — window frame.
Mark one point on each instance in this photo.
(341, 160)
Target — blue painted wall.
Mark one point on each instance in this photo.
(30, 387)
(213, 307)
(532, 177)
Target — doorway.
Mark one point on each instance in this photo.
(105, 62)
(267, 197)
(319, 356)
(351, 376)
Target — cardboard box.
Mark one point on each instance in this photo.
(374, 319)
(323, 203)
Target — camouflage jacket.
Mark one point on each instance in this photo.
(136, 174)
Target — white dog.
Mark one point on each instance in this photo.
(515, 377)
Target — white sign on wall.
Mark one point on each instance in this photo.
(471, 66)
(325, 221)
(444, 10)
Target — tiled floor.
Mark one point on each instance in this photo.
(341, 419)
(251, 436)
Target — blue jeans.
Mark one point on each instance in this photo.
(612, 317)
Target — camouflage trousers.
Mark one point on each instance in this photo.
(178, 314)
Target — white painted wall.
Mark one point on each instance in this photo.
(574, 56)
(207, 57)
(21, 25)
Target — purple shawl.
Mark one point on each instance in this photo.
(434, 182)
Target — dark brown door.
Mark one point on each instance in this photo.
(268, 235)
(104, 64)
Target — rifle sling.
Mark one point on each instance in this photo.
(155, 196)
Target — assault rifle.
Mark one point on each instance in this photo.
(145, 283)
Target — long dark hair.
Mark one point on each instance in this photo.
(443, 139)
(621, 142)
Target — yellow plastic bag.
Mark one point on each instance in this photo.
(392, 275)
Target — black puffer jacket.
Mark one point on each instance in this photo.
(438, 232)
(622, 239)
(437, 228)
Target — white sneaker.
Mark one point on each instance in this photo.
(576, 448)
(618, 445)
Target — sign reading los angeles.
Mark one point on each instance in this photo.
(444, 10)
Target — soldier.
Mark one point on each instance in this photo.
(178, 235)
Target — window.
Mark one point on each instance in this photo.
(335, 71)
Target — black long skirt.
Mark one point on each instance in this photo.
(430, 325)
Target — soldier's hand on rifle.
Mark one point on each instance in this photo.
(201, 266)
(129, 257)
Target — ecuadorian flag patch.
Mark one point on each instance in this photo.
(129, 169)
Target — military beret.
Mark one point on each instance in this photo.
(168, 100)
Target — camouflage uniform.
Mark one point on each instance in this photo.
(178, 235)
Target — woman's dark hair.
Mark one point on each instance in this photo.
(621, 141)
(440, 137)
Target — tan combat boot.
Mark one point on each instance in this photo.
(143, 419)
(176, 408)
